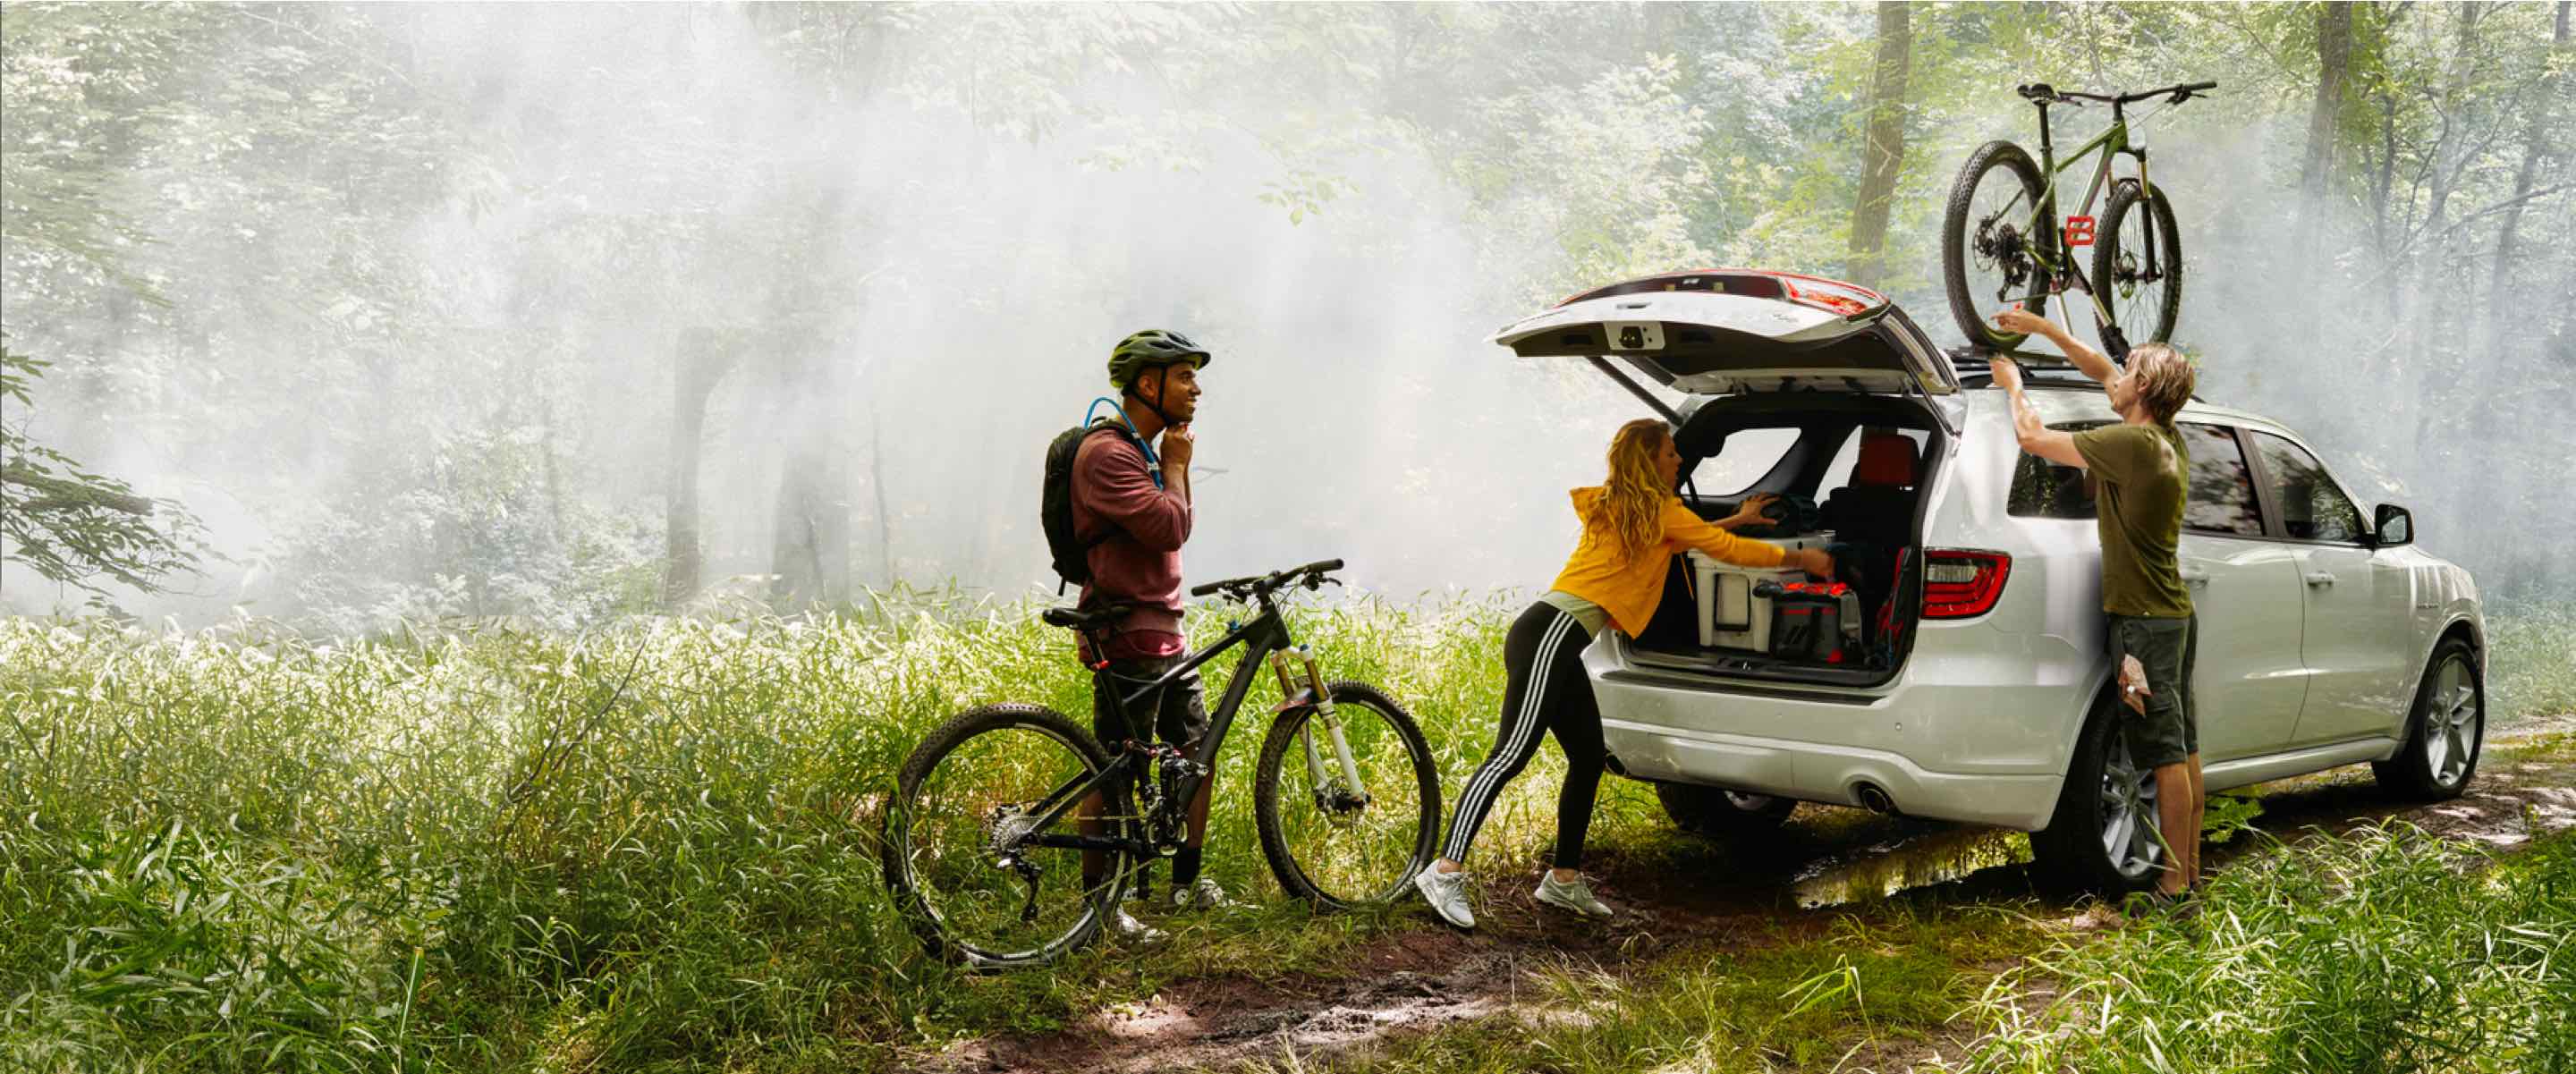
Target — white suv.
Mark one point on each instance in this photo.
(1974, 686)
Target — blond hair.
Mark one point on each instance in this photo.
(1630, 512)
(2163, 378)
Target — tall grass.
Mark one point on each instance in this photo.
(645, 847)
(2531, 661)
(2390, 952)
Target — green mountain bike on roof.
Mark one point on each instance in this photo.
(2004, 242)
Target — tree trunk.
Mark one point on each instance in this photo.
(699, 364)
(2317, 173)
(2535, 147)
(1883, 145)
(810, 551)
(2424, 357)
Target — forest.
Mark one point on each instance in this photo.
(491, 493)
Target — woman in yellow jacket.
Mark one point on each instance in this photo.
(1632, 526)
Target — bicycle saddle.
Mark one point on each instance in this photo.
(1079, 617)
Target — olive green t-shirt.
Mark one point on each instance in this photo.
(2143, 473)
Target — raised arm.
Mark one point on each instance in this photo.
(2035, 436)
(2090, 361)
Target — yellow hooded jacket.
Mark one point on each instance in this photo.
(1629, 587)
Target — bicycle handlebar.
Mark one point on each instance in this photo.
(1312, 574)
(2043, 92)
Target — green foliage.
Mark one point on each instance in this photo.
(2393, 951)
(2531, 661)
(641, 848)
(70, 525)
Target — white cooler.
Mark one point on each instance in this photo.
(1730, 616)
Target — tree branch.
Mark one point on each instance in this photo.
(60, 493)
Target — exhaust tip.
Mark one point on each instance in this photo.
(1875, 799)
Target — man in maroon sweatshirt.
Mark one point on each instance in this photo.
(1145, 513)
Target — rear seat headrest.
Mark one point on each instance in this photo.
(1886, 460)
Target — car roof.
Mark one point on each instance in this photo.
(2062, 400)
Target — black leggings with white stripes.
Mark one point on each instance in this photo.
(1546, 690)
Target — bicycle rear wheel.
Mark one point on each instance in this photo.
(955, 850)
(1334, 845)
(1991, 256)
(2145, 302)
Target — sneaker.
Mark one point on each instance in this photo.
(1447, 894)
(1572, 895)
(1132, 930)
(1204, 895)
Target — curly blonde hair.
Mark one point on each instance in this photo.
(1630, 512)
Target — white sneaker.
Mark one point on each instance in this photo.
(1447, 894)
(1572, 895)
(1204, 895)
(1132, 930)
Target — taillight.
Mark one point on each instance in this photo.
(1958, 584)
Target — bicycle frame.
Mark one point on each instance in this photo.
(1267, 633)
(2111, 143)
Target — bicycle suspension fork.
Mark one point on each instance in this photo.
(1325, 714)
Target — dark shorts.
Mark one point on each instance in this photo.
(2169, 731)
(1179, 714)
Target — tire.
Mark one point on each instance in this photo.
(2001, 244)
(916, 810)
(2094, 812)
(1719, 813)
(2445, 730)
(1393, 833)
(2150, 304)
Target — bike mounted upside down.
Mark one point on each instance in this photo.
(982, 843)
(2002, 240)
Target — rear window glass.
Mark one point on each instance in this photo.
(2222, 489)
(1742, 460)
(2043, 489)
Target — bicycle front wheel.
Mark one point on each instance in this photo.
(1334, 844)
(961, 850)
(1996, 246)
(2144, 292)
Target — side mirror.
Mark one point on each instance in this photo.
(2394, 526)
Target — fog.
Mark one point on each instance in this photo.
(902, 241)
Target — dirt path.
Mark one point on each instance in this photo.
(1424, 976)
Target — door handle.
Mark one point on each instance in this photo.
(2195, 577)
(2320, 577)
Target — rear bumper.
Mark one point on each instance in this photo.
(1981, 739)
(1831, 774)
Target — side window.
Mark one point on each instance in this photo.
(2312, 508)
(1838, 474)
(2043, 489)
(1742, 460)
(2222, 489)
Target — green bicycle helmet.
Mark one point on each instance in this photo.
(1152, 348)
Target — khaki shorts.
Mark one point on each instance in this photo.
(2169, 731)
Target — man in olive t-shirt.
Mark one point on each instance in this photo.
(2142, 470)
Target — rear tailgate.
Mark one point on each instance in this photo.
(1718, 333)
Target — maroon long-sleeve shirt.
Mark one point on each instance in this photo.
(1141, 560)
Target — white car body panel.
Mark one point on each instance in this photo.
(1981, 722)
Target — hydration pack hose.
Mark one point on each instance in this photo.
(1153, 465)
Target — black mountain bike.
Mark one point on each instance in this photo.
(2002, 240)
(985, 836)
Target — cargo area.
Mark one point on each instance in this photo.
(1849, 470)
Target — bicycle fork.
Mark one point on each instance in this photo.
(1354, 794)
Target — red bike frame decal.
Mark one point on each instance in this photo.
(2079, 231)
